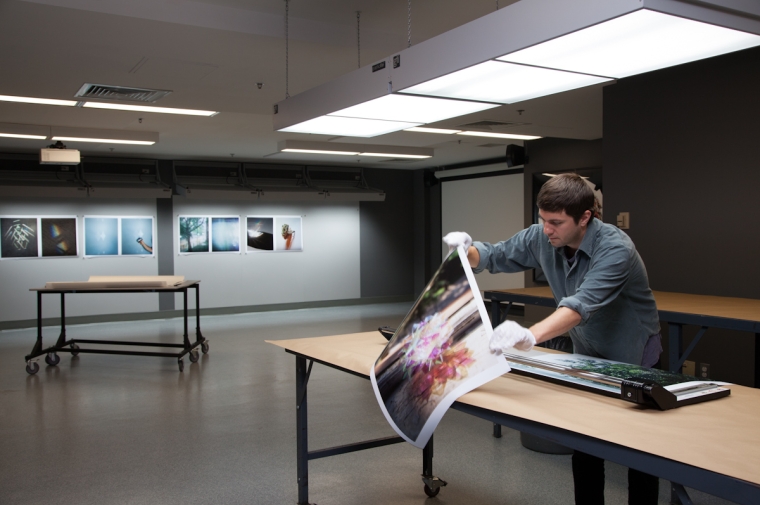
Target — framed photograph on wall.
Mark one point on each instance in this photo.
(58, 236)
(225, 234)
(101, 236)
(20, 237)
(137, 236)
(288, 233)
(259, 234)
(193, 234)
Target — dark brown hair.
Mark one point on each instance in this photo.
(568, 192)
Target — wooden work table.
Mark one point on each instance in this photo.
(670, 444)
(676, 309)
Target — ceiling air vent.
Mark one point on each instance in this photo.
(106, 92)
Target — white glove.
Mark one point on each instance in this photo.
(457, 238)
(509, 334)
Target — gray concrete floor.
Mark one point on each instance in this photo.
(101, 429)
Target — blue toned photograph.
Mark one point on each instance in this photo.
(225, 234)
(137, 236)
(193, 234)
(101, 236)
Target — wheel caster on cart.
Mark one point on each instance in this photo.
(32, 367)
(193, 356)
(433, 485)
(181, 364)
(204, 347)
(52, 359)
(74, 350)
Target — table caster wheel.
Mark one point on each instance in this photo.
(181, 364)
(74, 350)
(52, 359)
(204, 347)
(32, 368)
(432, 492)
(193, 355)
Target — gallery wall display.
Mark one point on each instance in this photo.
(259, 233)
(38, 237)
(118, 236)
(289, 233)
(203, 234)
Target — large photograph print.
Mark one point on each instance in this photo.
(438, 353)
(193, 234)
(101, 236)
(288, 233)
(260, 234)
(59, 236)
(19, 237)
(137, 236)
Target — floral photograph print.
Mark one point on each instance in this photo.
(438, 353)
(288, 233)
(260, 234)
(19, 237)
(193, 234)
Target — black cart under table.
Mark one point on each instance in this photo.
(65, 344)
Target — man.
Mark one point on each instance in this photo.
(603, 297)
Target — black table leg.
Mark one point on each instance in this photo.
(495, 315)
(675, 346)
(433, 484)
(198, 335)
(38, 344)
(186, 340)
(302, 432)
(62, 337)
(757, 360)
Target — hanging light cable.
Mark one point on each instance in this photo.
(287, 9)
(358, 40)
(409, 24)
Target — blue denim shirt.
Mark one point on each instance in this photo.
(607, 285)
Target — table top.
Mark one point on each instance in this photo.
(85, 289)
(746, 309)
(721, 436)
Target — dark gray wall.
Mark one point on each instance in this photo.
(388, 235)
(682, 155)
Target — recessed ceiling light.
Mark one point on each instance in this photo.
(105, 141)
(348, 127)
(500, 135)
(496, 81)
(633, 44)
(421, 129)
(145, 108)
(18, 136)
(394, 155)
(413, 109)
(318, 151)
(41, 101)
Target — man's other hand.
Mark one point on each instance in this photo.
(457, 238)
(509, 334)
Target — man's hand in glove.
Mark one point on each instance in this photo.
(509, 334)
(457, 238)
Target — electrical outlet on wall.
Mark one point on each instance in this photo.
(704, 371)
(624, 220)
(689, 368)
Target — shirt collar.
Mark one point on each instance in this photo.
(587, 244)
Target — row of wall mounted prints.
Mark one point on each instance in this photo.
(108, 236)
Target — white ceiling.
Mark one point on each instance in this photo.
(211, 54)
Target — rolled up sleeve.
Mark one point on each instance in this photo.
(515, 254)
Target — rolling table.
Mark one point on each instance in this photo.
(676, 309)
(712, 447)
(72, 345)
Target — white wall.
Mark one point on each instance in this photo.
(18, 275)
(490, 209)
(327, 268)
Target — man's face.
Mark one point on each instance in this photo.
(562, 230)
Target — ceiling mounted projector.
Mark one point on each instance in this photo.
(57, 154)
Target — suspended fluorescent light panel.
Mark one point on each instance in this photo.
(414, 109)
(633, 44)
(348, 127)
(495, 81)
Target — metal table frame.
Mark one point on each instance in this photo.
(64, 344)
(722, 486)
(676, 321)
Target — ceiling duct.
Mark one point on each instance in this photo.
(123, 178)
(106, 92)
